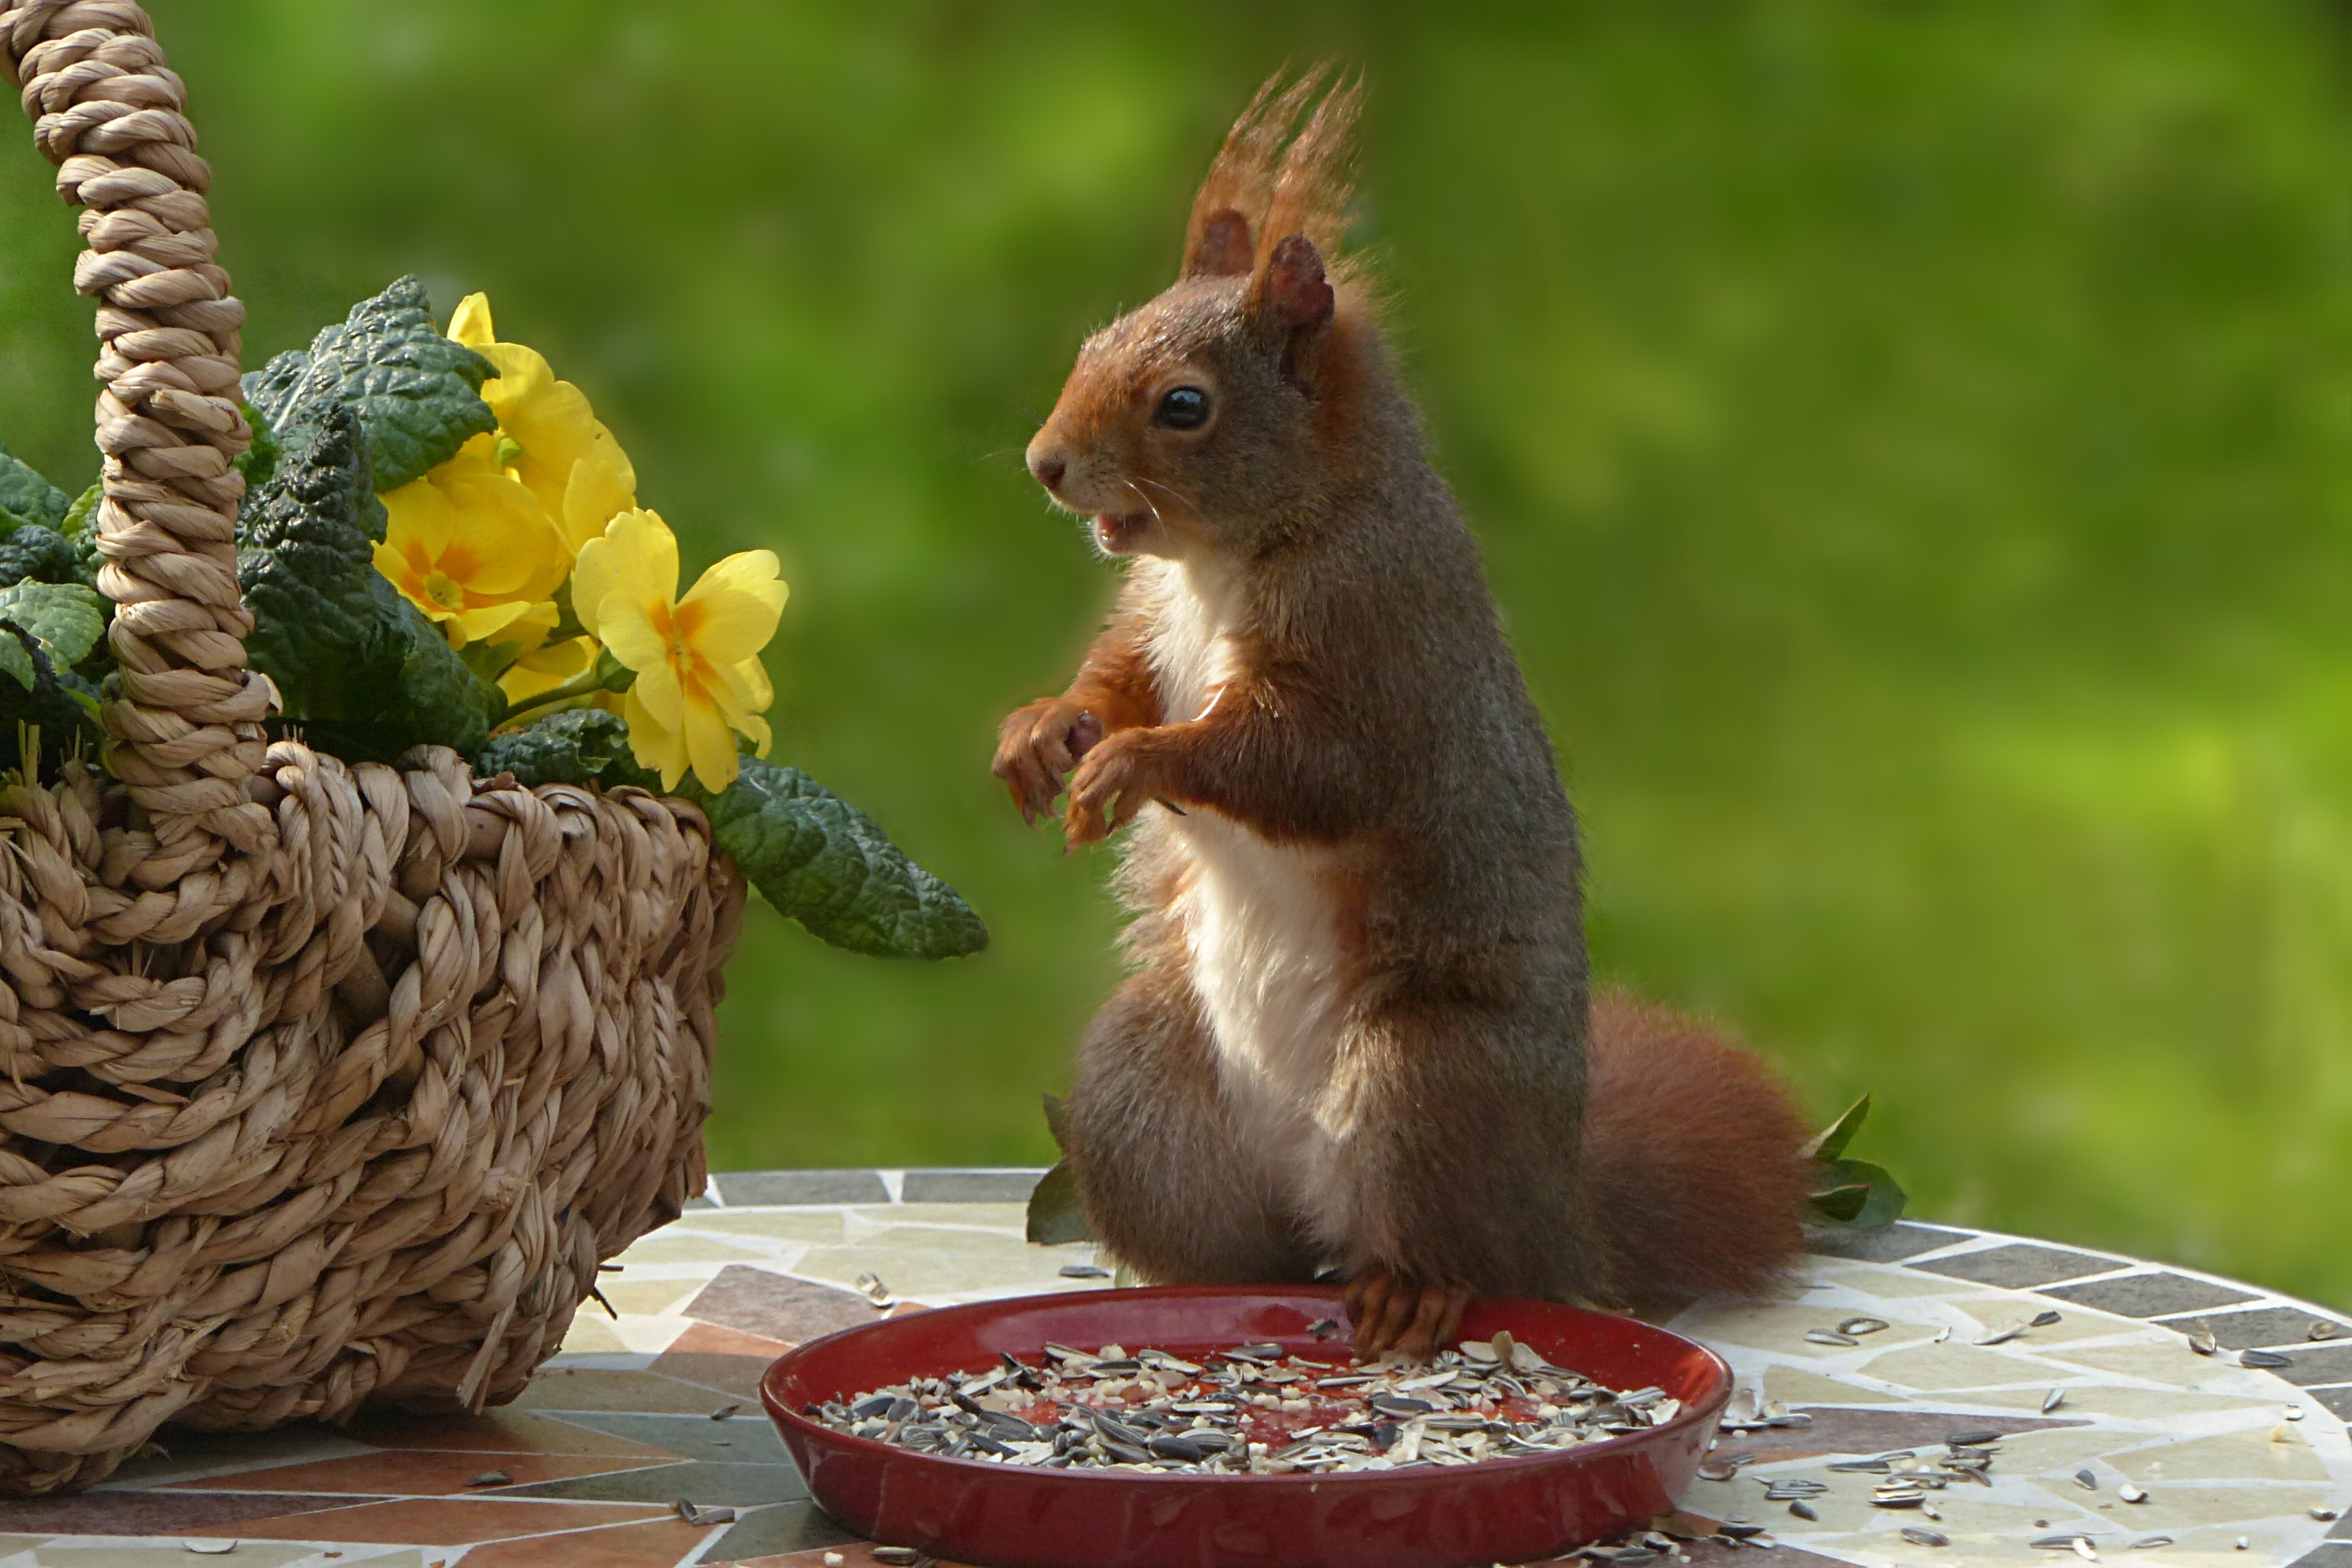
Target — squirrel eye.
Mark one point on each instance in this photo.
(1184, 408)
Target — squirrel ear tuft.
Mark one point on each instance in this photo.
(1293, 291)
(1221, 245)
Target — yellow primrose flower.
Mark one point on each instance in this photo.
(470, 548)
(542, 670)
(551, 437)
(696, 658)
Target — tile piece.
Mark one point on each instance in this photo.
(2325, 1364)
(502, 1431)
(445, 1521)
(2018, 1264)
(777, 1306)
(970, 1187)
(2328, 1554)
(659, 1543)
(155, 1512)
(2149, 1295)
(1904, 1239)
(2281, 1326)
(790, 1527)
(746, 1439)
(595, 1388)
(413, 1473)
(246, 1554)
(2338, 1400)
(722, 1485)
(742, 1187)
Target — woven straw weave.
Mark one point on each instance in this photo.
(319, 1083)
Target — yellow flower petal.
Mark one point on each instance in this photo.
(471, 324)
(598, 490)
(627, 629)
(731, 612)
(710, 746)
(420, 514)
(635, 555)
(655, 746)
(657, 690)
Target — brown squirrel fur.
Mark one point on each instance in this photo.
(1358, 1031)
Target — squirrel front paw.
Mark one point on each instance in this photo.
(1115, 780)
(1038, 744)
(1395, 1312)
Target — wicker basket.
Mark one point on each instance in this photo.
(323, 1083)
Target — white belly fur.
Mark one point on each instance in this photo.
(1259, 920)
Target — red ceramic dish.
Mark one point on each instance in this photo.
(1499, 1510)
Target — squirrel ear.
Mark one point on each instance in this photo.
(1293, 291)
(1222, 248)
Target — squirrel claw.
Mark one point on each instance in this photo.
(1393, 1312)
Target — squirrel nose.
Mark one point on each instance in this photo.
(1048, 469)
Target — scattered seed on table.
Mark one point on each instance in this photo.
(2005, 1332)
(2153, 1541)
(2325, 1515)
(2131, 1493)
(1084, 1271)
(491, 1479)
(724, 1411)
(1862, 1325)
(1829, 1336)
(1803, 1510)
(2051, 1400)
(1919, 1537)
(2263, 1358)
(1971, 1439)
(210, 1548)
(2201, 1340)
(2085, 1479)
(2044, 1318)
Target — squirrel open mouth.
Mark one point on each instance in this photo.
(1116, 531)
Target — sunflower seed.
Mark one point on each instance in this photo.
(2058, 1542)
(2152, 1541)
(2085, 1479)
(900, 1556)
(2325, 1514)
(874, 1290)
(2044, 1319)
(210, 1548)
(2201, 1340)
(2005, 1332)
(2321, 1329)
(2085, 1550)
(2051, 1400)
(1803, 1510)
(2263, 1358)
(2131, 1493)
(1971, 1439)
(695, 1515)
(491, 1478)
(1862, 1325)
(1918, 1536)
(1083, 1271)
(1829, 1336)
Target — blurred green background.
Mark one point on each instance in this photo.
(1913, 446)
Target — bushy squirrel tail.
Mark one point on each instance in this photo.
(1695, 1173)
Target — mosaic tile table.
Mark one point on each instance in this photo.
(2242, 1464)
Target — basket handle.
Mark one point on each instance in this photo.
(108, 111)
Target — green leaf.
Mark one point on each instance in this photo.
(1857, 1195)
(582, 746)
(37, 553)
(417, 393)
(362, 670)
(61, 704)
(260, 460)
(68, 618)
(1833, 1138)
(27, 497)
(1055, 1215)
(829, 866)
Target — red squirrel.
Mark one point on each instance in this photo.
(1359, 1032)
